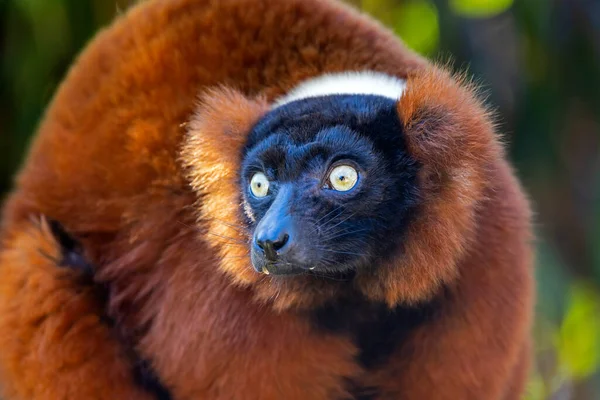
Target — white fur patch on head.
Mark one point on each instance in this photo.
(356, 82)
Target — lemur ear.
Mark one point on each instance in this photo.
(449, 133)
(211, 156)
(447, 128)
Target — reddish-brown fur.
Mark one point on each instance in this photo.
(129, 162)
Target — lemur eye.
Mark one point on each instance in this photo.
(259, 185)
(343, 178)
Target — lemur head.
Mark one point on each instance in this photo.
(359, 178)
(326, 181)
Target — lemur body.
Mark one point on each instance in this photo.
(142, 256)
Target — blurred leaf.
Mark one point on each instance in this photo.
(415, 21)
(578, 341)
(417, 24)
(49, 23)
(380, 9)
(479, 8)
(536, 390)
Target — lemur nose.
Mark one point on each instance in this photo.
(272, 243)
(274, 233)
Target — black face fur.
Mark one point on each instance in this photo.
(303, 225)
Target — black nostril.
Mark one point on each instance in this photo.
(280, 242)
(271, 247)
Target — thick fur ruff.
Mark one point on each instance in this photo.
(144, 175)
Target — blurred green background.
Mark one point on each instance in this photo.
(539, 61)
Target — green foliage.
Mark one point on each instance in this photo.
(578, 340)
(536, 389)
(39, 39)
(480, 8)
(417, 24)
(415, 21)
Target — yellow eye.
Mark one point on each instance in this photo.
(343, 178)
(259, 185)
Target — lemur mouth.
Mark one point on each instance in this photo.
(283, 269)
(277, 269)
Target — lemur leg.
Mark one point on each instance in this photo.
(54, 342)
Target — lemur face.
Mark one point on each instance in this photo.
(327, 184)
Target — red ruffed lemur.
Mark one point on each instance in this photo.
(263, 199)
